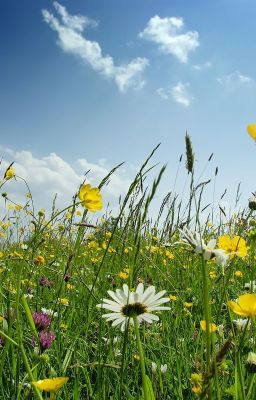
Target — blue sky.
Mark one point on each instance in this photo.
(105, 81)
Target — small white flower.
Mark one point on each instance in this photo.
(49, 312)
(250, 286)
(153, 367)
(28, 296)
(241, 323)
(24, 246)
(127, 304)
(163, 368)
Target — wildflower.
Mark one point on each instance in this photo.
(163, 368)
(208, 250)
(238, 274)
(188, 304)
(44, 281)
(41, 320)
(213, 274)
(241, 323)
(245, 305)
(169, 255)
(153, 367)
(212, 327)
(250, 286)
(252, 203)
(67, 278)
(251, 129)
(63, 301)
(51, 384)
(123, 275)
(128, 304)
(9, 173)
(233, 246)
(39, 260)
(90, 197)
(18, 207)
(49, 312)
(172, 297)
(250, 364)
(196, 380)
(46, 339)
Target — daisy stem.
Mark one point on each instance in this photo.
(142, 360)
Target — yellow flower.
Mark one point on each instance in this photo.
(39, 260)
(78, 213)
(213, 274)
(188, 305)
(50, 384)
(64, 301)
(233, 246)
(251, 129)
(9, 173)
(238, 274)
(169, 255)
(245, 305)
(196, 380)
(123, 275)
(70, 287)
(212, 327)
(172, 297)
(90, 197)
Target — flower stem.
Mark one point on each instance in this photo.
(142, 360)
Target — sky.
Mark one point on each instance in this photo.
(87, 84)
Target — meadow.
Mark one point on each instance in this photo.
(126, 307)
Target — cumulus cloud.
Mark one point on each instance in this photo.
(50, 175)
(179, 93)
(71, 40)
(235, 79)
(167, 34)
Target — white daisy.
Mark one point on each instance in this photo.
(127, 304)
(208, 250)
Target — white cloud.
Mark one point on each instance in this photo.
(49, 175)
(163, 93)
(166, 32)
(200, 67)
(235, 79)
(71, 40)
(179, 93)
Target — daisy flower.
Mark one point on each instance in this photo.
(125, 305)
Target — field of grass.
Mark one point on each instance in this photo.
(57, 268)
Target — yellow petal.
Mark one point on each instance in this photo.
(251, 129)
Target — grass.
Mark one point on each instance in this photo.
(66, 264)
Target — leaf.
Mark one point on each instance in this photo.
(149, 389)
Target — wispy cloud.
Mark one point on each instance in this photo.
(72, 40)
(179, 93)
(166, 32)
(201, 67)
(51, 174)
(235, 79)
